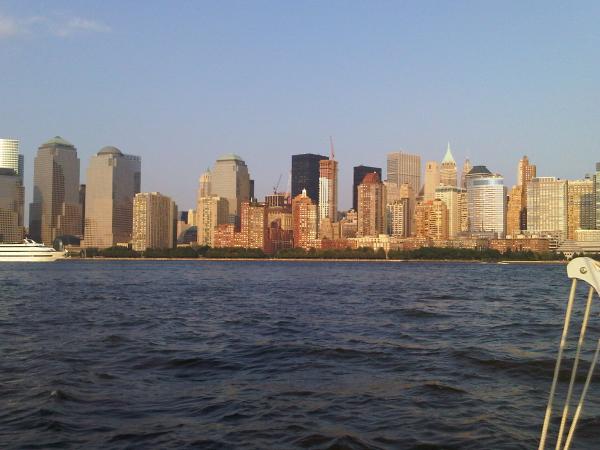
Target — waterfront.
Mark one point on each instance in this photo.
(265, 354)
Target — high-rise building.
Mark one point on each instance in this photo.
(431, 220)
(328, 191)
(486, 201)
(11, 206)
(10, 158)
(547, 207)
(371, 206)
(113, 179)
(359, 175)
(526, 173)
(580, 206)
(55, 210)
(230, 180)
(304, 216)
(405, 191)
(464, 211)
(210, 213)
(154, 221)
(398, 220)
(514, 211)
(467, 166)
(254, 226)
(276, 199)
(404, 168)
(452, 198)
(432, 180)
(305, 174)
(448, 173)
(204, 184)
(12, 191)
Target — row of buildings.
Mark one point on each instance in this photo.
(404, 210)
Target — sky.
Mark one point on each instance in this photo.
(180, 83)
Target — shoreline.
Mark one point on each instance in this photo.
(412, 261)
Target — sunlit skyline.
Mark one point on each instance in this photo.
(181, 84)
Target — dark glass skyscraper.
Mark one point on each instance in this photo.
(359, 175)
(305, 175)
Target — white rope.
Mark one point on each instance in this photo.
(584, 323)
(557, 367)
(581, 400)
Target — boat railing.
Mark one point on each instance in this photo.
(588, 271)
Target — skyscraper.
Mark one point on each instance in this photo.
(467, 166)
(448, 173)
(154, 220)
(371, 206)
(451, 196)
(404, 168)
(514, 211)
(432, 180)
(305, 174)
(11, 206)
(204, 189)
(359, 175)
(12, 191)
(328, 192)
(113, 179)
(55, 210)
(431, 221)
(304, 216)
(398, 220)
(547, 207)
(486, 201)
(230, 180)
(580, 206)
(526, 173)
(10, 158)
(210, 213)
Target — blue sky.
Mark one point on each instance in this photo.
(180, 83)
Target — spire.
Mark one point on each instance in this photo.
(448, 158)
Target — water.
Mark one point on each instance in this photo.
(134, 354)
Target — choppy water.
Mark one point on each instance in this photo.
(278, 355)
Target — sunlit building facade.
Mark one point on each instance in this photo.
(113, 179)
(305, 217)
(55, 210)
(448, 172)
(432, 180)
(371, 206)
(580, 206)
(547, 207)
(452, 198)
(486, 202)
(154, 221)
(328, 189)
(230, 179)
(404, 168)
(210, 213)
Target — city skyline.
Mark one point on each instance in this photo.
(484, 77)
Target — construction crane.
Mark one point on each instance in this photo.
(277, 185)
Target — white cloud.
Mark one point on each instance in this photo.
(57, 26)
(8, 27)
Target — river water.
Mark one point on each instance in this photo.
(331, 355)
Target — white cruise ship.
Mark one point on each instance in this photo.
(28, 251)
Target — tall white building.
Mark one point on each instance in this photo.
(403, 168)
(230, 179)
(547, 207)
(486, 201)
(113, 179)
(210, 212)
(328, 191)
